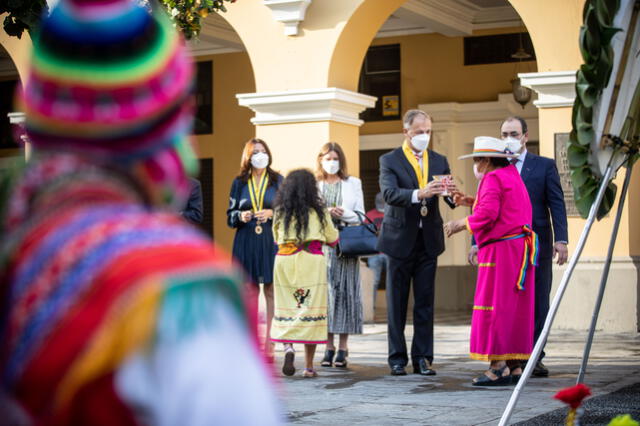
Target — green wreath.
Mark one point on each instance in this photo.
(592, 78)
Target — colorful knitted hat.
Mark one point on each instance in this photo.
(108, 78)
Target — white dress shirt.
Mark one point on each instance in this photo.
(520, 160)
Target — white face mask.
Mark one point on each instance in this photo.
(479, 175)
(421, 141)
(260, 160)
(331, 166)
(513, 144)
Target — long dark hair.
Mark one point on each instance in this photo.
(297, 196)
(245, 162)
(496, 162)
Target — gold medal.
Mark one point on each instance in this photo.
(424, 210)
(258, 229)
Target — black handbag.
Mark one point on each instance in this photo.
(358, 240)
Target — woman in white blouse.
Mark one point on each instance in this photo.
(343, 196)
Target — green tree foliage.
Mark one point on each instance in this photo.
(22, 15)
(187, 15)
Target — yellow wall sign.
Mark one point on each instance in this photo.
(390, 105)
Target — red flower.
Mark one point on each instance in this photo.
(573, 395)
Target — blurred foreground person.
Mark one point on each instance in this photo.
(114, 310)
(502, 320)
(301, 226)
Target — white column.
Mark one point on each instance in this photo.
(555, 88)
(18, 118)
(308, 105)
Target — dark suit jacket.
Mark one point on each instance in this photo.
(401, 217)
(541, 178)
(193, 210)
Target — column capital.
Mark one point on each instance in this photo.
(289, 12)
(554, 88)
(307, 105)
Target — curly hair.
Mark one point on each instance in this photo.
(297, 196)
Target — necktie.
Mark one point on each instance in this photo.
(418, 156)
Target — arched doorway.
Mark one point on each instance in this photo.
(11, 149)
(460, 71)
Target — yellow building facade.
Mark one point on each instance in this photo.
(292, 78)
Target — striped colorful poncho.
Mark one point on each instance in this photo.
(114, 313)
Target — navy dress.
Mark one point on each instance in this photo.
(255, 252)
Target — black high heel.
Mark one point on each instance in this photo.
(327, 361)
(341, 358)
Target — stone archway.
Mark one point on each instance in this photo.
(19, 50)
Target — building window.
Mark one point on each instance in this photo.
(496, 49)
(206, 183)
(380, 77)
(203, 93)
(7, 92)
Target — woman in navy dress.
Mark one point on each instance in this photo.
(250, 212)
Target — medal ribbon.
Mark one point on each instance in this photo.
(257, 200)
(422, 176)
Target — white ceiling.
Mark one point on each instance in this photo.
(448, 17)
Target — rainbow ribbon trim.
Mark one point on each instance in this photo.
(478, 151)
(530, 256)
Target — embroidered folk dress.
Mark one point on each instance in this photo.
(300, 282)
(503, 313)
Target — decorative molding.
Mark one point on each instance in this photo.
(448, 18)
(554, 88)
(472, 112)
(380, 141)
(496, 17)
(16, 117)
(459, 18)
(8, 69)
(289, 12)
(457, 123)
(301, 106)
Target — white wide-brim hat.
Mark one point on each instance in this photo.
(486, 146)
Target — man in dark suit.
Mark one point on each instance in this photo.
(541, 178)
(412, 238)
(193, 210)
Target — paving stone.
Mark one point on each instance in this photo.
(365, 393)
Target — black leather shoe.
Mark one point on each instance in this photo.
(424, 367)
(398, 370)
(540, 370)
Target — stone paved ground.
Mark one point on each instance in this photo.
(366, 394)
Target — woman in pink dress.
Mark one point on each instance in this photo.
(503, 311)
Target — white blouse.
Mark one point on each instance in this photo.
(352, 199)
